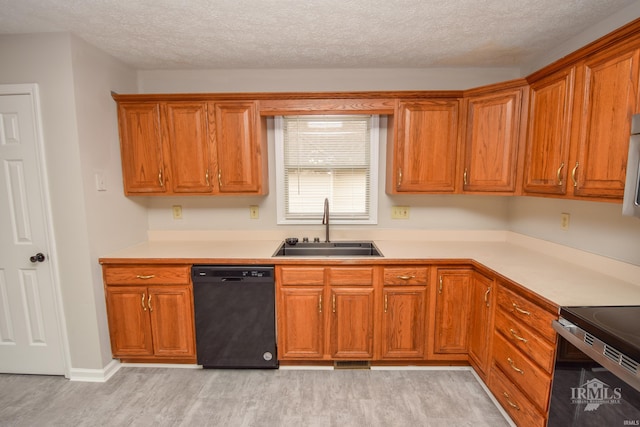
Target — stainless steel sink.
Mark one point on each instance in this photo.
(359, 248)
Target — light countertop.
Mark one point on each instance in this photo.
(562, 275)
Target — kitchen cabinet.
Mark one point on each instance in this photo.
(189, 147)
(150, 313)
(548, 137)
(451, 294)
(492, 138)
(481, 322)
(422, 157)
(404, 312)
(606, 98)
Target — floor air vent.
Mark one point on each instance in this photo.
(352, 364)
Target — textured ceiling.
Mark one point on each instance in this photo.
(181, 34)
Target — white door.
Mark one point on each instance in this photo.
(30, 339)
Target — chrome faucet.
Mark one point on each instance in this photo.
(325, 219)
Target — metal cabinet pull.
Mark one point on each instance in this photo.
(516, 336)
(573, 174)
(320, 304)
(513, 366)
(521, 311)
(399, 178)
(206, 177)
(142, 302)
(513, 405)
(486, 296)
(385, 303)
(333, 302)
(149, 303)
(219, 179)
(160, 178)
(405, 277)
(440, 287)
(464, 176)
(558, 173)
(150, 276)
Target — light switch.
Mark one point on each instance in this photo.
(400, 212)
(177, 211)
(101, 182)
(254, 212)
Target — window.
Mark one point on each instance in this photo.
(334, 157)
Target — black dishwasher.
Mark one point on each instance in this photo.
(235, 316)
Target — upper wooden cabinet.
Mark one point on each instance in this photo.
(606, 98)
(192, 147)
(493, 117)
(422, 157)
(548, 136)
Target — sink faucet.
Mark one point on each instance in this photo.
(325, 219)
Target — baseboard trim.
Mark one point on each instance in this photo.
(95, 375)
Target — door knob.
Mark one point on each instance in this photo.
(39, 257)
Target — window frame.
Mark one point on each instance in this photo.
(374, 149)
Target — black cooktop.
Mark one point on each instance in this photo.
(617, 326)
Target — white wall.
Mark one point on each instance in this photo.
(76, 121)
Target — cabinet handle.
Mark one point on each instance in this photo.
(516, 336)
(160, 178)
(219, 179)
(486, 296)
(333, 302)
(399, 178)
(149, 303)
(320, 303)
(573, 174)
(558, 173)
(440, 286)
(142, 302)
(521, 311)
(405, 277)
(385, 303)
(464, 176)
(151, 276)
(513, 405)
(513, 366)
(206, 177)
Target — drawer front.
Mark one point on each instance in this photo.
(351, 276)
(296, 276)
(528, 312)
(535, 382)
(523, 412)
(147, 275)
(403, 276)
(525, 340)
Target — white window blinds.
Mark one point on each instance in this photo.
(327, 157)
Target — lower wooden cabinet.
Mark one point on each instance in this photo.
(301, 323)
(351, 323)
(480, 328)
(150, 323)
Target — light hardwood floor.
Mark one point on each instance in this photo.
(191, 397)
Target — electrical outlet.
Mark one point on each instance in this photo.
(254, 212)
(177, 211)
(564, 221)
(400, 212)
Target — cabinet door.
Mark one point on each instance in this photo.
(129, 323)
(172, 320)
(452, 311)
(238, 152)
(301, 323)
(480, 328)
(548, 137)
(188, 142)
(403, 322)
(607, 97)
(351, 323)
(491, 146)
(426, 147)
(141, 148)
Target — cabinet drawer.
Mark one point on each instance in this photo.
(351, 276)
(525, 340)
(147, 275)
(513, 401)
(522, 371)
(405, 276)
(528, 312)
(297, 276)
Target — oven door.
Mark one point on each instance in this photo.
(585, 393)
